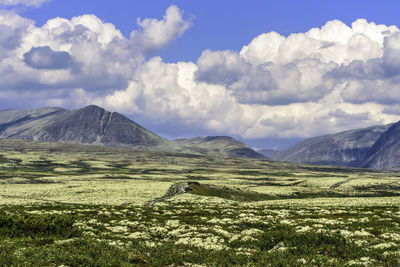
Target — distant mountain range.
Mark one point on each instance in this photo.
(221, 145)
(93, 125)
(268, 152)
(372, 147)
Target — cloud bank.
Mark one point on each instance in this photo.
(324, 80)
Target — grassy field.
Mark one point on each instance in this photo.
(84, 205)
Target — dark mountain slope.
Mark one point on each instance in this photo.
(385, 153)
(343, 149)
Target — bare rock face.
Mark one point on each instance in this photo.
(385, 153)
(90, 125)
(342, 149)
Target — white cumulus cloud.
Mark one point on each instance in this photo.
(155, 34)
(324, 80)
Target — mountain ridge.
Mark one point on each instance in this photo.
(371, 147)
(385, 153)
(89, 125)
(345, 148)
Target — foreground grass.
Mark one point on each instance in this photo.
(185, 231)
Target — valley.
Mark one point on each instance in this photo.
(87, 205)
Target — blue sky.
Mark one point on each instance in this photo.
(269, 73)
(222, 24)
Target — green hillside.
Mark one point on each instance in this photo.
(219, 145)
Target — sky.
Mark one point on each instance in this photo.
(269, 73)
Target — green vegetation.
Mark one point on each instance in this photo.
(83, 205)
(183, 232)
(33, 224)
(228, 193)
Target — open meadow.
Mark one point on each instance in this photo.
(85, 205)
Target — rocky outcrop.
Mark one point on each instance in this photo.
(174, 190)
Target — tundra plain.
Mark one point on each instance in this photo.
(85, 205)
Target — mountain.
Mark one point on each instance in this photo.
(93, 125)
(25, 124)
(268, 152)
(385, 153)
(223, 145)
(343, 149)
(90, 125)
